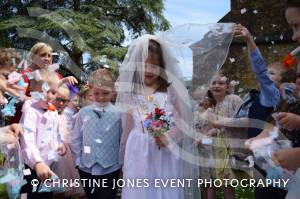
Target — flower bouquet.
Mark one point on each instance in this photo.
(158, 122)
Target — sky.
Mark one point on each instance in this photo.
(179, 12)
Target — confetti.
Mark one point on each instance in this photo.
(254, 38)
(99, 141)
(244, 48)
(14, 77)
(106, 66)
(243, 11)
(240, 90)
(10, 146)
(273, 42)
(12, 159)
(234, 83)
(261, 27)
(281, 37)
(37, 96)
(224, 79)
(45, 87)
(87, 149)
(275, 51)
(231, 59)
(255, 12)
(37, 76)
(54, 67)
(93, 190)
(274, 25)
(207, 141)
(26, 172)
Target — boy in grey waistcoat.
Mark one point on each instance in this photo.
(96, 138)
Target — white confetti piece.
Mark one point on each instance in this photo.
(224, 79)
(87, 149)
(12, 159)
(106, 66)
(231, 59)
(240, 90)
(234, 83)
(255, 12)
(45, 87)
(261, 27)
(243, 11)
(273, 42)
(274, 25)
(10, 146)
(26, 172)
(254, 38)
(244, 48)
(207, 141)
(269, 47)
(93, 190)
(281, 37)
(275, 51)
(98, 141)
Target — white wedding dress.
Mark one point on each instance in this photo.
(143, 158)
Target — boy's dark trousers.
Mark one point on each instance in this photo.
(108, 192)
(28, 188)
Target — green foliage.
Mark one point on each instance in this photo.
(96, 27)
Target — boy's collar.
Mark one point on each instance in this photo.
(101, 107)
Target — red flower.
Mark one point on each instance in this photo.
(289, 61)
(158, 111)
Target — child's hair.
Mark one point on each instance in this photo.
(63, 90)
(9, 58)
(83, 91)
(277, 66)
(36, 48)
(51, 78)
(102, 77)
(292, 3)
(154, 48)
(209, 96)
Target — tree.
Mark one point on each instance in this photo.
(90, 32)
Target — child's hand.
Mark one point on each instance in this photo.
(288, 120)
(11, 133)
(70, 79)
(240, 31)
(287, 158)
(161, 141)
(62, 149)
(13, 89)
(43, 171)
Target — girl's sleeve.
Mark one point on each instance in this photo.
(28, 141)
